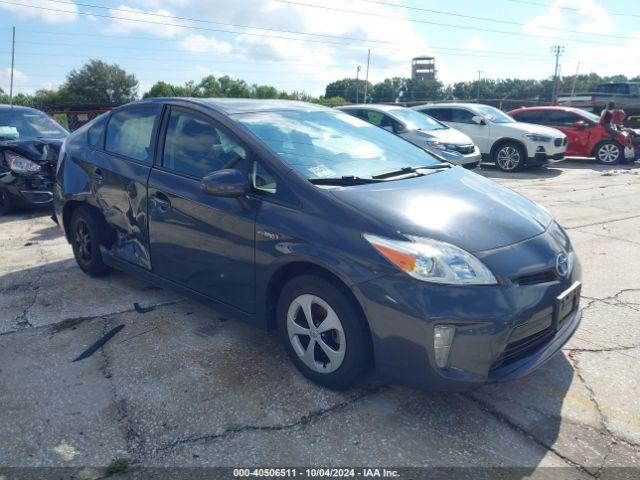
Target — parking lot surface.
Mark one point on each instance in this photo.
(181, 386)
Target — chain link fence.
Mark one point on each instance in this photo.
(73, 116)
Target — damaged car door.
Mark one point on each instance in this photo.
(119, 174)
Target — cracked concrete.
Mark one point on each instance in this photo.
(179, 387)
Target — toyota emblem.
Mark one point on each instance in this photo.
(562, 265)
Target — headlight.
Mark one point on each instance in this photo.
(19, 164)
(433, 261)
(535, 137)
(436, 144)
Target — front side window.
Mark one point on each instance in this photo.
(330, 144)
(459, 115)
(531, 116)
(442, 114)
(493, 114)
(195, 146)
(562, 118)
(130, 132)
(414, 120)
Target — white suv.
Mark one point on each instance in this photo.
(509, 144)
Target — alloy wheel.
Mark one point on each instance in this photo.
(508, 158)
(608, 153)
(83, 241)
(316, 333)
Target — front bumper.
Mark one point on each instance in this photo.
(489, 320)
(30, 190)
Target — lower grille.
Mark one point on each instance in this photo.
(521, 348)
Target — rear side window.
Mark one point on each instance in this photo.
(443, 114)
(195, 146)
(531, 116)
(95, 132)
(130, 132)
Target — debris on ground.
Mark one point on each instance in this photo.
(104, 339)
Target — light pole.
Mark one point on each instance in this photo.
(557, 50)
(357, 80)
(480, 72)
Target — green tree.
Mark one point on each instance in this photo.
(387, 91)
(265, 91)
(234, 88)
(99, 82)
(350, 89)
(208, 87)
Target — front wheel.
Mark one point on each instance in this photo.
(609, 152)
(323, 333)
(509, 157)
(5, 202)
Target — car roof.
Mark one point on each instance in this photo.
(232, 106)
(381, 107)
(449, 105)
(20, 108)
(550, 108)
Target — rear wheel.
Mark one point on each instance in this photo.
(88, 232)
(509, 156)
(609, 152)
(5, 202)
(323, 333)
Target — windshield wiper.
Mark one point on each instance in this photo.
(410, 170)
(344, 180)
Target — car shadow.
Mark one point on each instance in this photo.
(21, 213)
(579, 163)
(491, 171)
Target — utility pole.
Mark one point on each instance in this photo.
(357, 80)
(366, 80)
(557, 50)
(13, 59)
(480, 72)
(573, 84)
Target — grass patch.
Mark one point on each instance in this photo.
(118, 465)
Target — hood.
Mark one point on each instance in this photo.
(453, 205)
(522, 127)
(449, 135)
(39, 150)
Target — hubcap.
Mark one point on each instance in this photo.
(83, 241)
(608, 153)
(316, 333)
(508, 158)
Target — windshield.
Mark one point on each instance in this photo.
(21, 124)
(590, 116)
(493, 114)
(414, 120)
(327, 144)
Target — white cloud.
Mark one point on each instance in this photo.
(70, 13)
(580, 15)
(197, 43)
(477, 44)
(130, 19)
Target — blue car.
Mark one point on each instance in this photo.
(363, 251)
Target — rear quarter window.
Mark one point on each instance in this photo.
(130, 132)
(96, 131)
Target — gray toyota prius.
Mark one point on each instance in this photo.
(361, 249)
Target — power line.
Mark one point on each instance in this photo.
(428, 22)
(489, 19)
(463, 27)
(573, 9)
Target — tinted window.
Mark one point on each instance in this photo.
(561, 118)
(381, 120)
(321, 144)
(414, 120)
(443, 114)
(531, 116)
(462, 116)
(195, 146)
(130, 131)
(94, 135)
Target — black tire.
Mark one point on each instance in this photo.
(357, 356)
(6, 204)
(88, 231)
(509, 156)
(609, 152)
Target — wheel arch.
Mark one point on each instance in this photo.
(284, 273)
(501, 141)
(594, 152)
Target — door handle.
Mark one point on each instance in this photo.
(161, 201)
(98, 176)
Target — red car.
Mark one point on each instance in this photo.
(587, 138)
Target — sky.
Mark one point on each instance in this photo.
(303, 45)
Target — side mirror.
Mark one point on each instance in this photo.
(226, 183)
(580, 125)
(479, 120)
